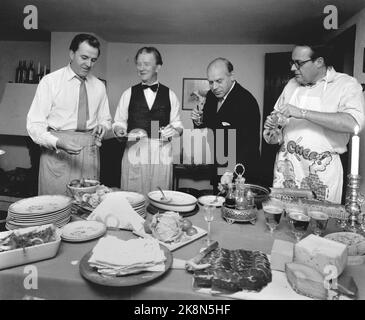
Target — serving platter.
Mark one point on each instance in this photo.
(92, 275)
(177, 201)
(153, 210)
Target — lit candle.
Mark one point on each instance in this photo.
(355, 152)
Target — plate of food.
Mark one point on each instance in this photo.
(171, 230)
(27, 245)
(124, 276)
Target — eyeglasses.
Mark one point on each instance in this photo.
(298, 64)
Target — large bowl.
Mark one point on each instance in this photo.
(78, 192)
(178, 201)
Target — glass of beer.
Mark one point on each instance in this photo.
(299, 222)
(272, 212)
(319, 221)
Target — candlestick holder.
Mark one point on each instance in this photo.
(355, 223)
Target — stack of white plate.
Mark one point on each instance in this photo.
(39, 210)
(80, 231)
(137, 201)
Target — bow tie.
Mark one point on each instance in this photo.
(154, 87)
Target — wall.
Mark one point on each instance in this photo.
(11, 52)
(181, 61)
(359, 21)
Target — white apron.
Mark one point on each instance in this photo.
(147, 164)
(306, 158)
(56, 170)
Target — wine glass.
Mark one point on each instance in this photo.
(272, 213)
(300, 223)
(208, 211)
(319, 221)
(199, 121)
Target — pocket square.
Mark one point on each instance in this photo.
(225, 124)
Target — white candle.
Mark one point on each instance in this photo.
(355, 152)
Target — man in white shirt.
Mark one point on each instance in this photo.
(68, 118)
(148, 107)
(323, 108)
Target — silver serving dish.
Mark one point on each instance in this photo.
(232, 215)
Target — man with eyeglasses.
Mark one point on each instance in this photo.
(313, 119)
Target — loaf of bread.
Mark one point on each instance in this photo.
(306, 280)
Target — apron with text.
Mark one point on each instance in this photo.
(306, 159)
(56, 170)
(147, 164)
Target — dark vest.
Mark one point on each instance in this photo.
(140, 116)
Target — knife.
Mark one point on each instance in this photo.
(193, 263)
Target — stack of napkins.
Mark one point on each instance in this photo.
(116, 211)
(116, 257)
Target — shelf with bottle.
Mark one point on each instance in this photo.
(27, 74)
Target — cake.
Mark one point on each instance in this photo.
(234, 270)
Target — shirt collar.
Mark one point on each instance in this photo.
(70, 74)
(224, 98)
(151, 84)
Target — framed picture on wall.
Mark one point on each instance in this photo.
(194, 92)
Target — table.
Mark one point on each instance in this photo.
(59, 278)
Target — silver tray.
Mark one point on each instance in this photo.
(234, 215)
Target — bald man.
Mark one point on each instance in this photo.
(229, 106)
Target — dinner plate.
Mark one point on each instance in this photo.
(79, 231)
(211, 200)
(92, 275)
(41, 204)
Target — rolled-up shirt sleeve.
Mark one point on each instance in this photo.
(121, 114)
(37, 125)
(352, 102)
(175, 119)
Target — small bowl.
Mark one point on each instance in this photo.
(78, 192)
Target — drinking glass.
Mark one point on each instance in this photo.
(300, 223)
(272, 213)
(208, 211)
(319, 221)
(199, 121)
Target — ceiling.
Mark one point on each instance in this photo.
(178, 21)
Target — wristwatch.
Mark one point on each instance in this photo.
(304, 113)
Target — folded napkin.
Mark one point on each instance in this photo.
(116, 211)
(113, 256)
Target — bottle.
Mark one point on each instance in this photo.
(24, 72)
(230, 197)
(30, 72)
(39, 75)
(18, 72)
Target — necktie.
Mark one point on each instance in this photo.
(154, 87)
(219, 104)
(83, 110)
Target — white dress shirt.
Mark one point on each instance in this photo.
(121, 114)
(55, 105)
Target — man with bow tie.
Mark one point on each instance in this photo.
(231, 108)
(68, 117)
(152, 111)
(322, 107)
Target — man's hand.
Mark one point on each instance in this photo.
(168, 132)
(99, 132)
(270, 123)
(196, 116)
(119, 132)
(68, 146)
(289, 110)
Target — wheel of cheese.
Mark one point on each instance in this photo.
(355, 242)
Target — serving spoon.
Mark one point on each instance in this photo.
(163, 198)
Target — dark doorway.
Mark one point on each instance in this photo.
(277, 74)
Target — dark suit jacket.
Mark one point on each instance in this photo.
(241, 111)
